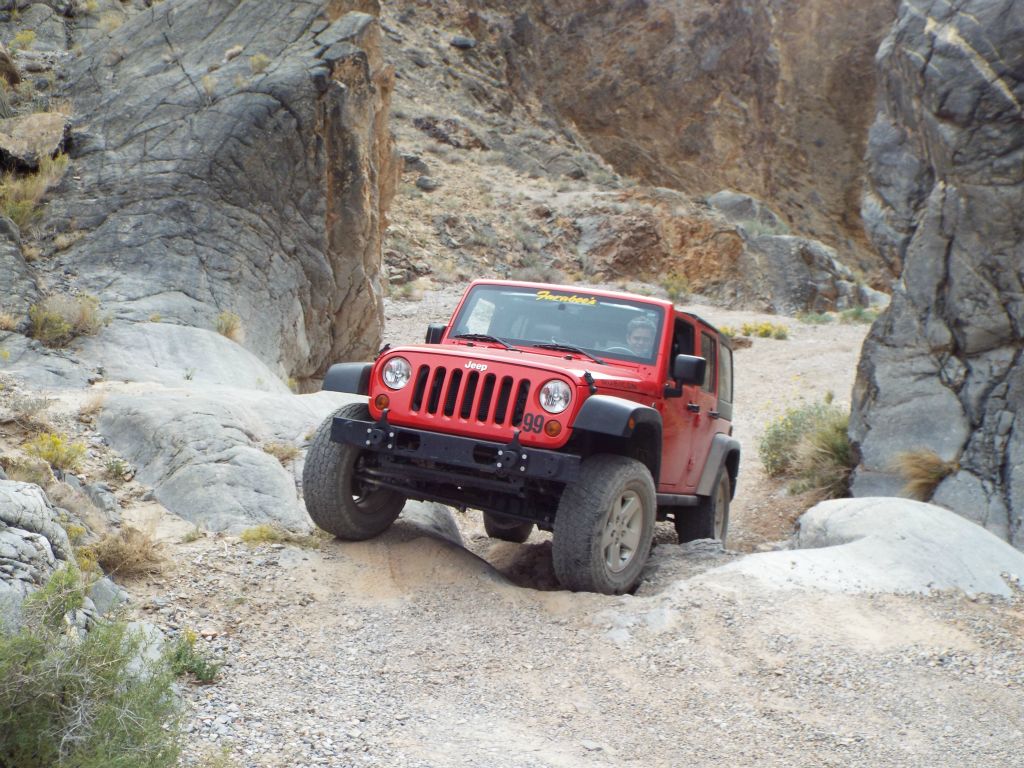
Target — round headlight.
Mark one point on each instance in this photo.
(555, 396)
(397, 372)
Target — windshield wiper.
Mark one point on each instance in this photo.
(485, 337)
(560, 347)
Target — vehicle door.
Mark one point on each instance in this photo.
(701, 404)
(676, 419)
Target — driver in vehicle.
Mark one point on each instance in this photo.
(640, 335)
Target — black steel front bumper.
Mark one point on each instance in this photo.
(508, 461)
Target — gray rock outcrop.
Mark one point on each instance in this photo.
(886, 545)
(942, 369)
(204, 452)
(20, 287)
(233, 157)
(32, 544)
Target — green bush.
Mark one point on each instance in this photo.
(58, 319)
(56, 450)
(765, 330)
(824, 458)
(810, 445)
(814, 318)
(858, 315)
(185, 659)
(83, 701)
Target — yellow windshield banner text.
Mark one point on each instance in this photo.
(574, 299)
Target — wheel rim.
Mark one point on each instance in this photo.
(721, 500)
(623, 530)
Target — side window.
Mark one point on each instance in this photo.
(707, 351)
(682, 339)
(725, 375)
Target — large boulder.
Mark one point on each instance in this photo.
(233, 158)
(941, 370)
(886, 545)
(32, 544)
(208, 453)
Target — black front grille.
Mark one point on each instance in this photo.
(472, 395)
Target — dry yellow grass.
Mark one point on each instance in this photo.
(229, 325)
(283, 452)
(8, 322)
(128, 552)
(20, 195)
(922, 470)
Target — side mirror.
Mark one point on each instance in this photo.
(689, 369)
(434, 332)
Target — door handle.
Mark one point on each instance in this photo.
(693, 407)
(713, 414)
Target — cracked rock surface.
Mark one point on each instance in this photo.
(234, 158)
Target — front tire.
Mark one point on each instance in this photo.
(604, 526)
(506, 529)
(335, 498)
(710, 520)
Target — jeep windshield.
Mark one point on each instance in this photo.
(592, 325)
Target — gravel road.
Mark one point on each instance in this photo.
(407, 651)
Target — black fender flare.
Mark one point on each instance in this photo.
(724, 452)
(348, 377)
(614, 416)
(626, 420)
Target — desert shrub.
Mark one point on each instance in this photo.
(91, 408)
(20, 195)
(194, 535)
(115, 468)
(60, 318)
(128, 552)
(728, 331)
(259, 63)
(28, 471)
(186, 659)
(814, 318)
(84, 701)
(283, 452)
(229, 325)
(8, 322)
(27, 411)
(676, 286)
(858, 315)
(810, 445)
(922, 471)
(56, 450)
(824, 459)
(23, 40)
(765, 330)
(780, 439)
(272, 534)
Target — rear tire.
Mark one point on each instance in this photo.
(335, 498)
(506, 529)
(604, 525)
(710, 519)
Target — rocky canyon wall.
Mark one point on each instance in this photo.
(942, 369)
(232, 157)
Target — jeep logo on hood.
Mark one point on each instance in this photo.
(476, 366)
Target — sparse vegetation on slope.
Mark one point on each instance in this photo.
(84, 701)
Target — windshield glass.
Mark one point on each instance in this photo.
(597, 325)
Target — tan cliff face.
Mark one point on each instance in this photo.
(773, 99)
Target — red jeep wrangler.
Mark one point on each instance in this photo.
(587, 413)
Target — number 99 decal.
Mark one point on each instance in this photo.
(533, 422)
